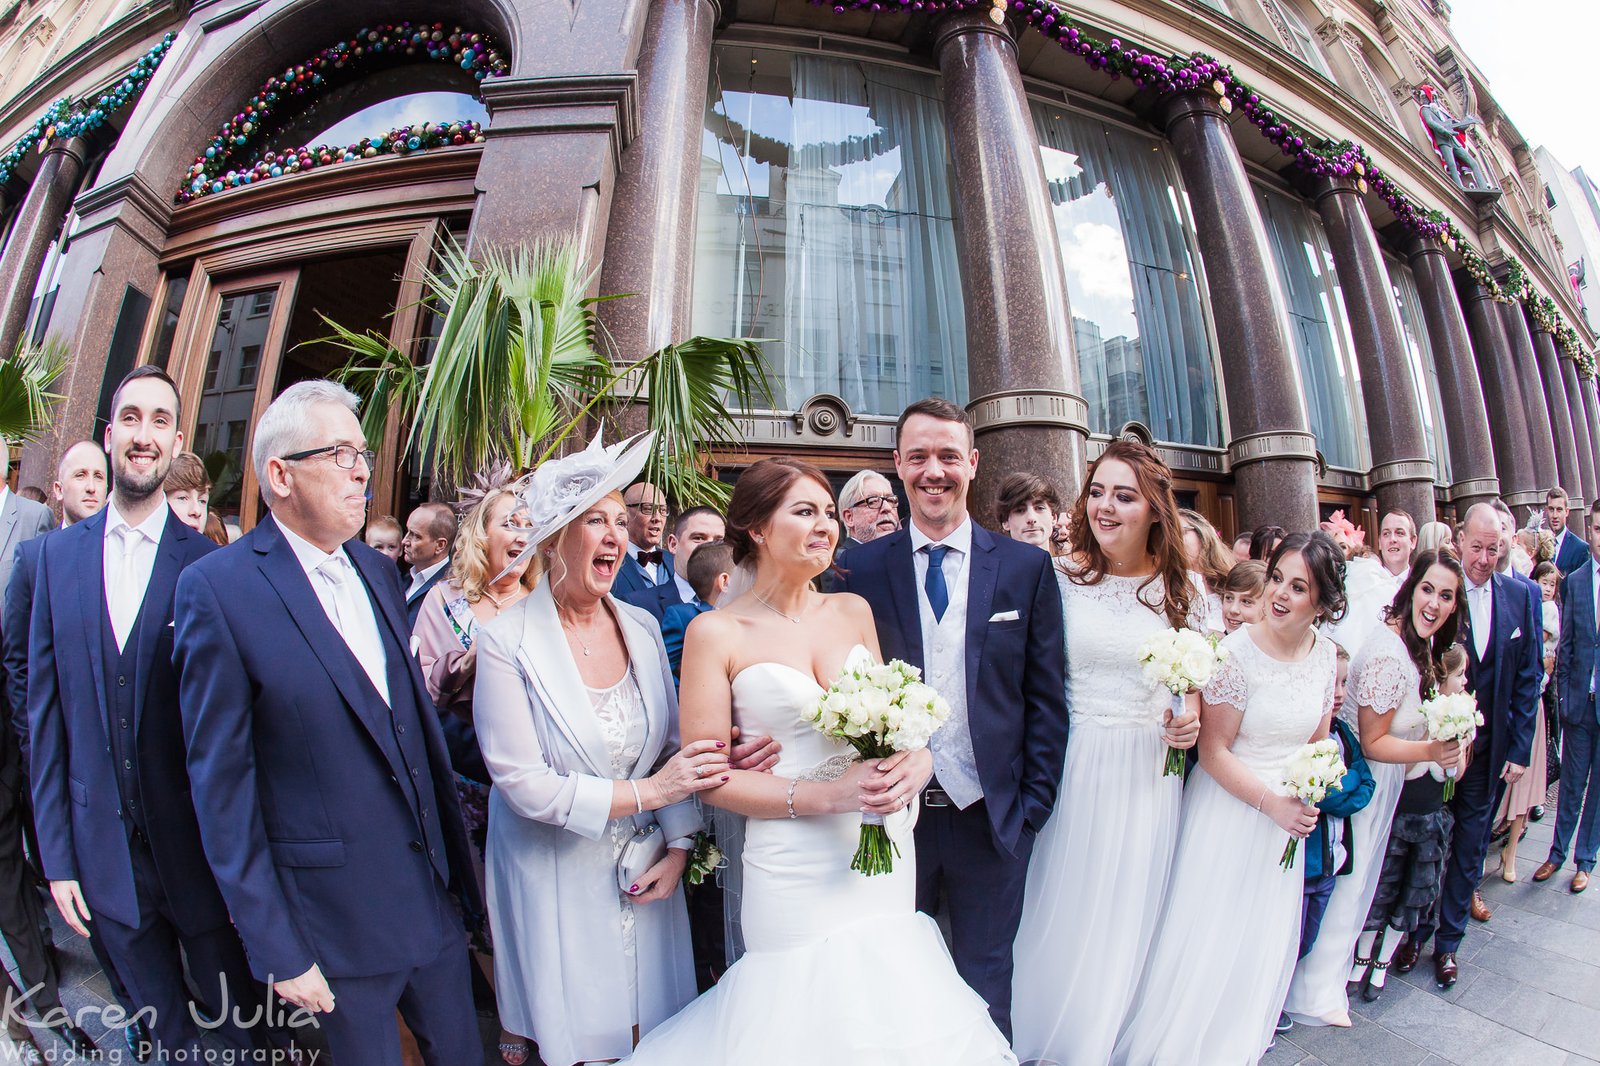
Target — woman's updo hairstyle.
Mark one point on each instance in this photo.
(1324, 561)
(758, 495)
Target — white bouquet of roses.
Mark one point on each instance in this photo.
(1452, 717)
(878, 709)
(1314, 771)
(1180, 661)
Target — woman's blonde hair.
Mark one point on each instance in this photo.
(469, 561)
(552, 543)
(1216, 557)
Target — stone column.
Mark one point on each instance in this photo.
(1466, 419)
(1272, 451)
(1502, 394)
(1583, 443)
(38, 223)
(1537, 415)
(1022, 372)
(1591, 415)
(1562, 435)
(1402, 473)
(650, 239)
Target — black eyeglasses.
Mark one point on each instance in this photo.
(659, 509)
(344, 455)
(873, 502)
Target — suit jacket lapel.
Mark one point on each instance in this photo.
(902, 577)
(288, 579)
(8, 522)
(980, 599)
(89, 573)
(387, 613)
(156, 611)
(553, 675)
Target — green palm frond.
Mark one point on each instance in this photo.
(383, 377)
(25, 397)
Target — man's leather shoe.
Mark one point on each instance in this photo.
(1480, 909)
(1445, 970)
(1405, 960)
(1545, 871)
(137, 1036)
(77, 1039)
(1580, 881)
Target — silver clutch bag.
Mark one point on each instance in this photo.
(644, 849)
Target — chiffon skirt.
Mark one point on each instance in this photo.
(1530, 789)
(1095, 884)
(1228, 936)
(1316, 996)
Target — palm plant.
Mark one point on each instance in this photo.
(25, 396)
(517, 367)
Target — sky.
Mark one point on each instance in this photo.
(1544, 85)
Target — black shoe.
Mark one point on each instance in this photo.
(1285, 1023)
(137, 1036)
(77, 1039)
(1374, 989)
(1536, 814)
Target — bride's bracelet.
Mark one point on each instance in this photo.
(794, 783)
(1261, 798)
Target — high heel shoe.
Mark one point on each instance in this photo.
(1356, 984)
(1375, 982)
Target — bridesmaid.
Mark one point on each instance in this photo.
(1100, 865)
(1396, 664)
(1230, 926)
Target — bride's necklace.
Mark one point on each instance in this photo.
(774, 610)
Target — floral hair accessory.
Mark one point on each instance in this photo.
(1338, 526)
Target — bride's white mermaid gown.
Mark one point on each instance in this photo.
(839, 969)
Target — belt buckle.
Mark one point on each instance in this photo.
(936, 797)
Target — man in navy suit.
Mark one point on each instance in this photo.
(1577, 656)
(1571, 551)
(324, 790)
(981, 614)
(1504, 637)
(430, 530)
(117, 832)
(692, 528)
(647, 564)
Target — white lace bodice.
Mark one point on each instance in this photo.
(1283, 702)
(1106, 623)
(620, 712)
(1383, 677)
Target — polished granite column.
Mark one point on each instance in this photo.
(650, 240)
(1402, 473)
(1562, 435)
(1536, 413)
(1021, 371)
(1591, 415)
(1502, 394)
(1466, 419)
(38, 223)
(1272, 451)
(1583, 443)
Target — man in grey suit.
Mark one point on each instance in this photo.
(20, 519)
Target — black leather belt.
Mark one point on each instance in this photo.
(934, 796)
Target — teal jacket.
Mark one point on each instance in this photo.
(1354, 793)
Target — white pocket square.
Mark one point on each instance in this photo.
(416, 642)
(1515, 633)
(1005, 616)
(169, 624)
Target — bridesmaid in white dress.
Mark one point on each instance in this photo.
(839, 969)
(1230, 927)
(1397, 661)
(1100, 865)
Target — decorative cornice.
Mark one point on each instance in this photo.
(1029, 407)
(1260, 447)
(1401, 470)
(565, 104)
(1531, 498)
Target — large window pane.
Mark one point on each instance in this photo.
(825, 223)
(1127, 243)
(1424, 373)
(1319, 332)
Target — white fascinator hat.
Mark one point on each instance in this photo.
(563, 488)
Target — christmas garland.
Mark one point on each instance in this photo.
(236, 157)
(67, 118)
(1167, 74)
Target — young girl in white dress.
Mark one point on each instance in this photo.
(1230, 928)
(1396, 661)
(1100, 865)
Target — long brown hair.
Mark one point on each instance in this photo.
(1165, 544)
(758, 495)
(1216, 558)
(1427, 655)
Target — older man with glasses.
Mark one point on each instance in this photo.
(868, 508)
(647, 564)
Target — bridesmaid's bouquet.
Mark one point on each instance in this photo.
(1313, 772)
(1452, 717)
(878, 710)
(1180, 661)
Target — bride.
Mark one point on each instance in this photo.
(839, 968)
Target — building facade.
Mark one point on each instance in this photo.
(941, 201)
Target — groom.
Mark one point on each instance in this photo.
(981, 615)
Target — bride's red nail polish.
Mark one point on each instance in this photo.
(720, 744)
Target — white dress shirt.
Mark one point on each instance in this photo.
(955, 560)
(421, 577)
(1480, 609)
(129, 558)
(344, 599)
(685, 590)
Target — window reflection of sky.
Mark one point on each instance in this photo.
(380, 118)
(1093, 250)
(800, 125)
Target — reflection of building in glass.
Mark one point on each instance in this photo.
(1112, 374)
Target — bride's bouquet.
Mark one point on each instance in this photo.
(1314, 771)
(1452, 717)
(1180, 661)
(878, 710)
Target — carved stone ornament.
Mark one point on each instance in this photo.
(824, 415)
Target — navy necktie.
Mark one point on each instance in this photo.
(938, 592)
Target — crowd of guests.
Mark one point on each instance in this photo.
(444, 771)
